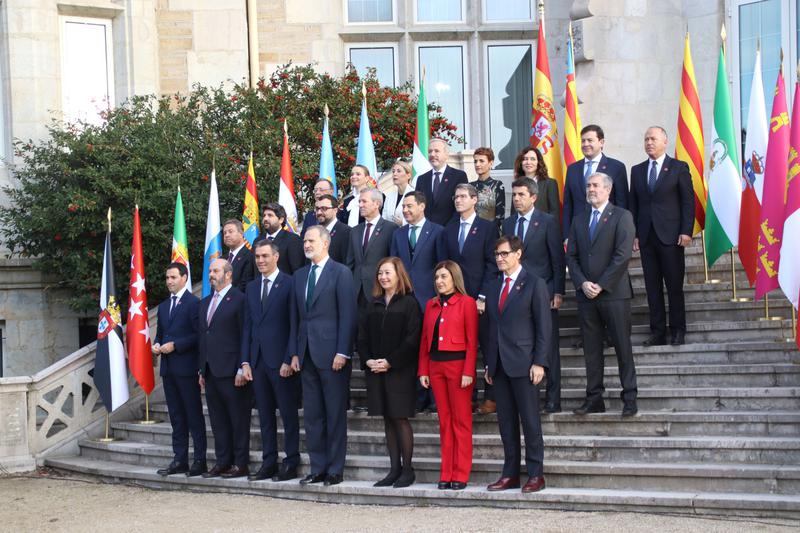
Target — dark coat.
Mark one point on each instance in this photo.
(575, 188)
(441, 209)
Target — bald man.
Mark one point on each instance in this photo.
(439, 184)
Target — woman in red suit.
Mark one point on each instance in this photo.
(447, 353)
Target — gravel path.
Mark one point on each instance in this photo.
(48, 502)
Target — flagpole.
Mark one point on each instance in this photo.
(705, 260)
(735, 298)
(540, 8)
(766, 311)
(107, 438)
(147, 421)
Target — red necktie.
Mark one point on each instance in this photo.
(504, 294)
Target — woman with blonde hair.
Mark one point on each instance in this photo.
(393, 202)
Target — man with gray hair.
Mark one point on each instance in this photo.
(439, 184)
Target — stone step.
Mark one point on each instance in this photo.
(557, 447)
(692, 292)
(727, 477)
(759, 504)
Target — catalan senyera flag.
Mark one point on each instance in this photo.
(689, 143)
(572, 117)
(180, 244)
(770, 236)
(422, 133)
(140, 354)
(544, 130)
(789, 273)
(286, 188)
(250, 214)
(327, 171)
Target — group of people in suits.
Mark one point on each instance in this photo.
(414, 290)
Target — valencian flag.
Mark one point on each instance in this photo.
(110, 374)
(572, 118)
(213, 242)
(773, 200)
(544, 130)
(286, 187)
(180, 244)
(365, 154)
(724, 184)
(422, 133)
(689, 143)
(327, 170)
(140, 358)
(250, 214)
(753, 160)
(789, 274)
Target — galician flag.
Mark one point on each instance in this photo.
(365, 155)
(327, 171)
(140, 355)
(755, 151)
(180, 244)
(422, 132)
(572, 118)
(724, 184)
(250, 213)
(213, 243)
(286, 187)
(770, 234)
(789, 274)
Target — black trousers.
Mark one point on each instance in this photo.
(553, 371)
(596, 316)
(185, 409)
(229, 411)
(274, 392)
(664, 265)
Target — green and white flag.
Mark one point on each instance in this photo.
(724, 181)
(180, 244)
(419, 160)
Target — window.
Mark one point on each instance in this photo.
(444, 81)
(508, 10)
(369, 11)
(381, 58)
(87, 73)
(439, 11)
(510, 90)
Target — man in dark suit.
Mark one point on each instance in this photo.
(594, 160)
(239, 255)
(439, 184)
(220, 322)
(266, 362)
(518, 307)
(543, 256)
(598, 253)
(289, 244)
(326, 208)
(662, 204)
(176, 343)
(321, 188)
(369, 243)
(324, 318)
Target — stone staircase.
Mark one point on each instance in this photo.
(718, 431)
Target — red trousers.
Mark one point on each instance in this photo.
(454, 405)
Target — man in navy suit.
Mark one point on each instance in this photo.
(518, 307)
(239, 255)
(321, 188)
(289, 244)
(324, 318)
(220, 322)
(326, 208)
(594, 160)
(439, 184)
(176, 343)
(543, 256)
(266, 362)
(662, 204)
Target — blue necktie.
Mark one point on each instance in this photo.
(462, 236)
(521, 228)
(587, 172)
(593, 223)
(651, 180)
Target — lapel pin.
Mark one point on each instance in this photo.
(536, 223)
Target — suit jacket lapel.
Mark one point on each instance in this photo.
(376, 231)
(603, 222)
(422, 238)
(662, 172)
(533, 225)
(516, 289)
(270, 297)
(322, 281)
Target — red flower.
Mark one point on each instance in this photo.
(72, 208)
(57, 236)
(234, 98)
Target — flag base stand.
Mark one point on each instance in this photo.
(147, 421)
(107, 438)
(741, 299)
(767, 317)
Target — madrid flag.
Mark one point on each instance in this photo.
(140, 359)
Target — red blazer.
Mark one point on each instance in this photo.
(458, 331)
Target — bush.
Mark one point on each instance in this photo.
(150, 145)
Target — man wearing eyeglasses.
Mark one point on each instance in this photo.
(321, 188)
(325, 209)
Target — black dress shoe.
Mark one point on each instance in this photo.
(406, 479)
(265, 472)
(629, 410)
(216, 471)
(389, 480)
(197, 468)
(656, 340)
(678, 338)
(586, 408)
(458, 485)
(551, 408)
(333, 479)
(312, 478)
(444, 485)
(235, 471)
(173, 468)
(360, 409)
(286, 473)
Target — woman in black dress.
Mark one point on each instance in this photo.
(530, 164)
(388, 345)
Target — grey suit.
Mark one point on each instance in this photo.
(363, 261)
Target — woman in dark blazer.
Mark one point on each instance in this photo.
(388, 341)
(447, 353)
(530, 163)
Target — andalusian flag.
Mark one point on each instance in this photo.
(213, 244)
(789, 274)
(422, 132)
(327, 171)
(689, 143)
(724, 184)
(365, 154)
(544, 130)
(250, 214)
(286, 187)
(180, 244)
(572, 118)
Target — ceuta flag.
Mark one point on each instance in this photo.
(773, 200)
(789, 273)
(140, 360)
(286, 187)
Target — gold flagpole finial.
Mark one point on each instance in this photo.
(326, 111)
(423, 72)
(781, 63)
(363, 89)
(285, 128)
(109, 219)
(722, 33)
(570, 30)
(540, 7)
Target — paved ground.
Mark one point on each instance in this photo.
(47, 502)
